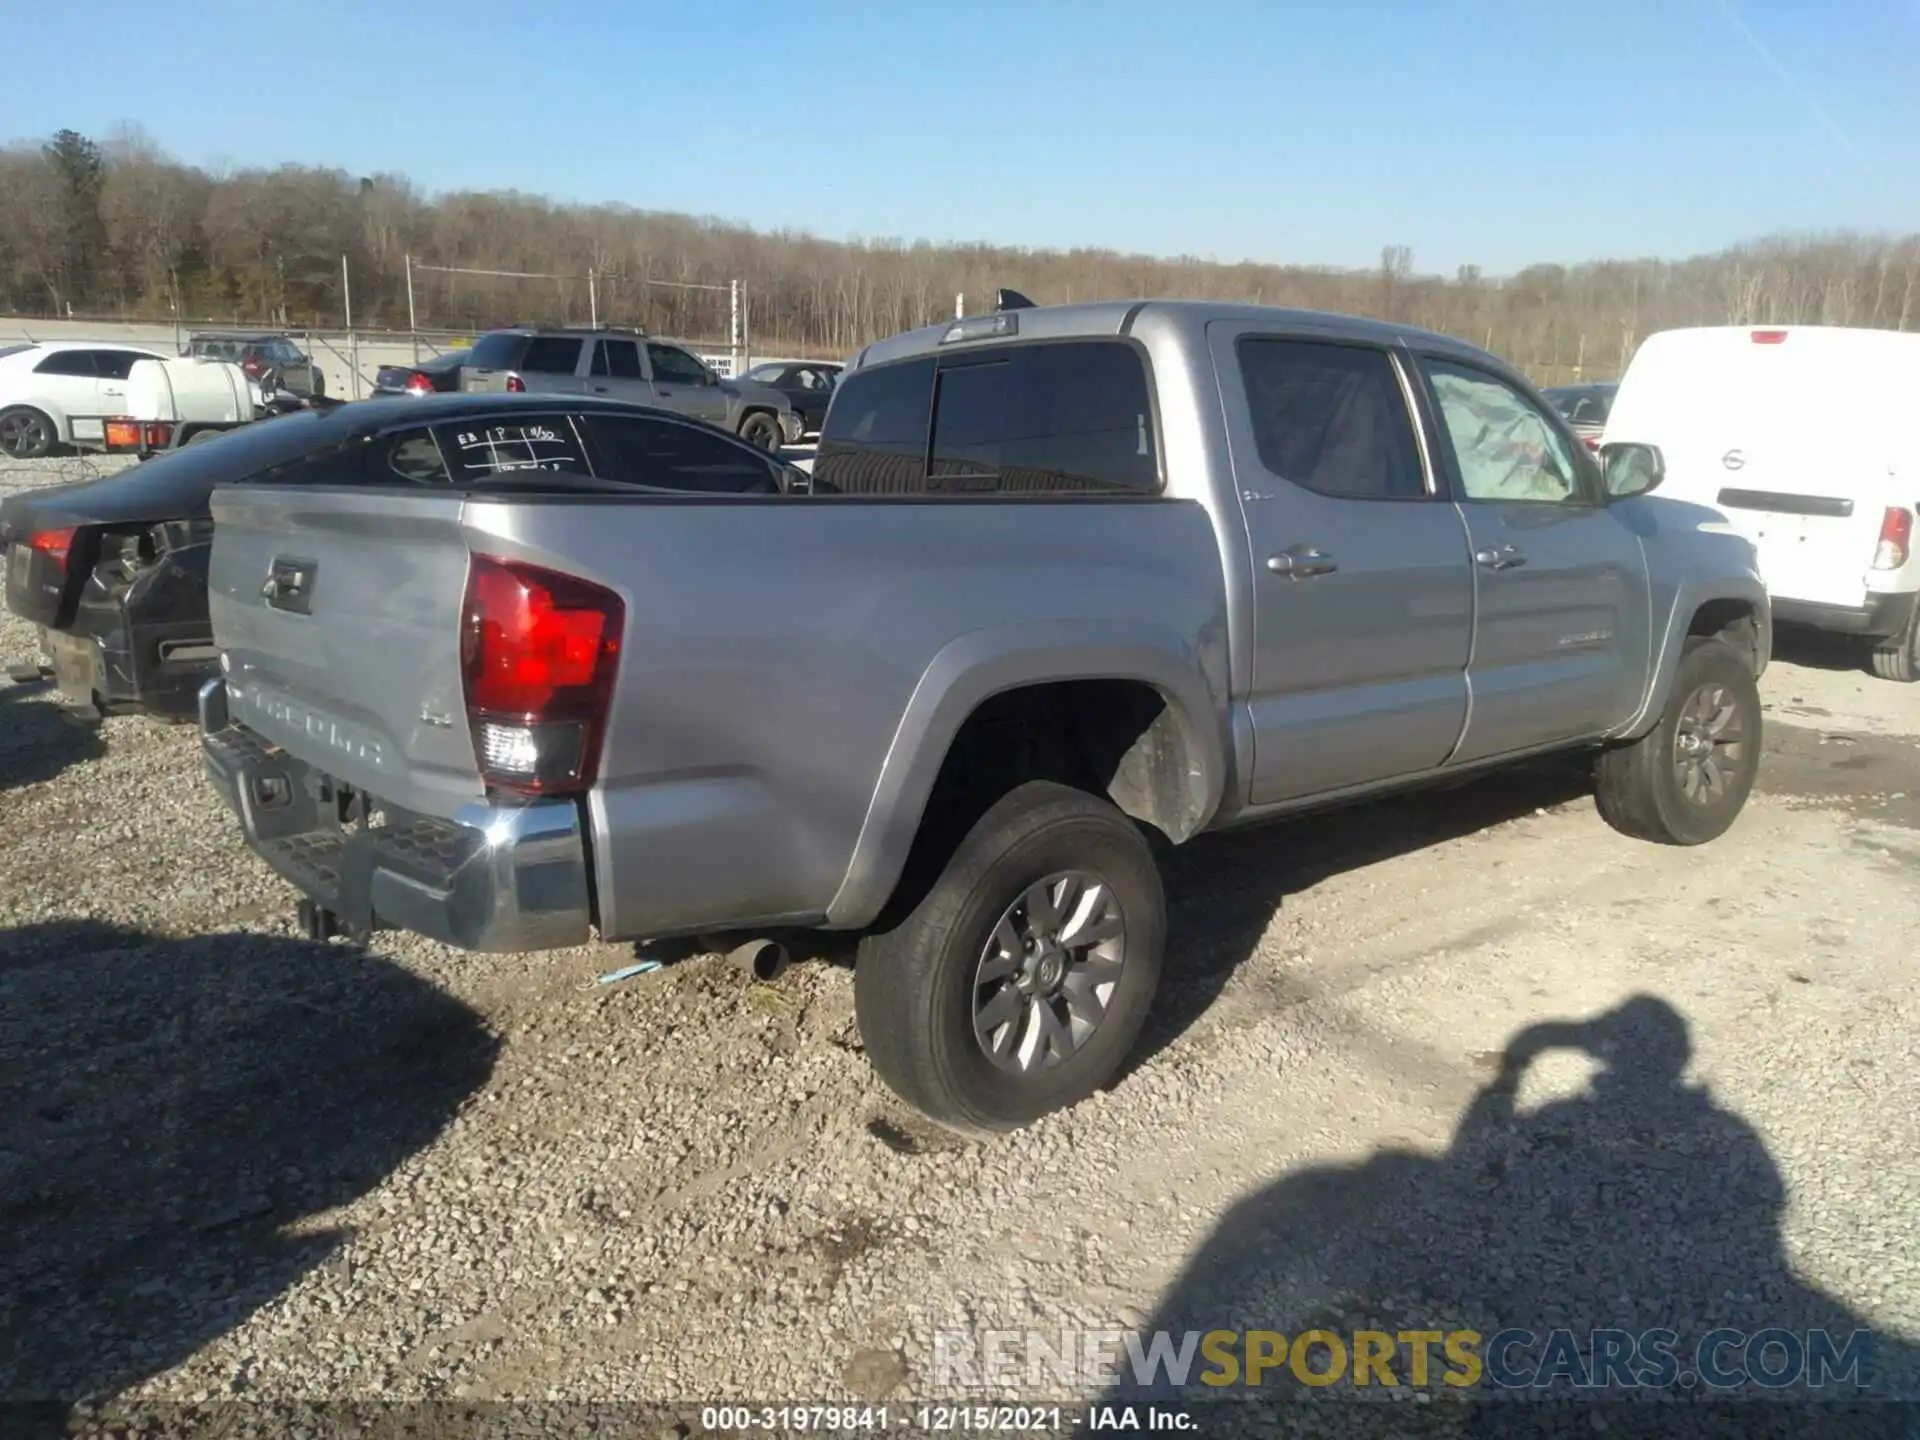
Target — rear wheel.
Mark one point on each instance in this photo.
(760, 428)
(1685, 781)
(26, 433)
(1898, 656)
(1019, 982)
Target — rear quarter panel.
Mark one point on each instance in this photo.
(784, 683)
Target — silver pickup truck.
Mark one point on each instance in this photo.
(1062, 580)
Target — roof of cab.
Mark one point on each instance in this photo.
(1126, 317)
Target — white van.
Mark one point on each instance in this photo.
(1804, 437)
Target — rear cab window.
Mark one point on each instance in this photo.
(1047, 418)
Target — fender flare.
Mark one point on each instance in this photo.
(1671, 639)
(983, 663)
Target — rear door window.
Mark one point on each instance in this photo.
(1331, 418)
(552, 355)
(663, 455)
(617, 360)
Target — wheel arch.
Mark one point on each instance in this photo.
(1737, 612)
(1128, 705)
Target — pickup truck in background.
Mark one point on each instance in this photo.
(114, 398)
(1062, 579)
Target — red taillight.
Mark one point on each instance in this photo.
(418, 384)
(1896, 539)
(126, 434)
(253, 365)
(1593, 443)
(1769, 337)
(538, 652)
(516, 384)
(54, 544)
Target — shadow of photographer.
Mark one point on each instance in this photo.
(1637, 1206)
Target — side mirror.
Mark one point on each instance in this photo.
(1632, 468)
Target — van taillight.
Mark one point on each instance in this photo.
(1896, 539)
(538, 652)
(1769, 337)
(516, 384)
(54, 544)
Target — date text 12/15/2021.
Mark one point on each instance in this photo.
(940, 1419)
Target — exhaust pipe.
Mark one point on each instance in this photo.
(762, 960)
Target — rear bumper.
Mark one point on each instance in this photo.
(1882, 615)
(156, 669)
(495, 878)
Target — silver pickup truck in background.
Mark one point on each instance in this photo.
(1062, 579)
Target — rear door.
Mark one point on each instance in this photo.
(616, 372)
(1363, 591)
(1561, 603)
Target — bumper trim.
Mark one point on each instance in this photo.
(1882, 615)
(495, 878)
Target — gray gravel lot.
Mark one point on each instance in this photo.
(232, 1162)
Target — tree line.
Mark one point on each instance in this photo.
(116, 229)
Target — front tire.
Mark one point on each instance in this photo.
(26, 433)
(1685, 781)
(760, 428)
(1018, 983)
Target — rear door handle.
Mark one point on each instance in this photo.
(599, 389)
(1499, 557)
(1301, 562)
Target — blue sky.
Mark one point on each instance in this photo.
(1496, 132)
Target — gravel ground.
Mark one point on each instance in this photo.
(233, 1163)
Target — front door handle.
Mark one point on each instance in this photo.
(599, 389)
(1301, 562)
(1499, 557)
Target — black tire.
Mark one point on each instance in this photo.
(27, 433)
(760, 428)
(915, 984)
(1638, 786)
(1897, 657)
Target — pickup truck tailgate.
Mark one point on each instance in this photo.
(337, 613)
